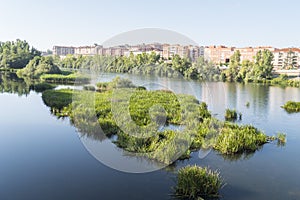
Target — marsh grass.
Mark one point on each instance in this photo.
(281, 139)
(292, 107)
(231, 115)
(195, 182)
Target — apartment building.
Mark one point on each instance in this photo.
(189, 51)
(248, 53)
(63, 50)
(287, 58)
(86, 50)
(222, 54)
(218, 54)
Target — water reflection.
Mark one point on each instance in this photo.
(10, 83)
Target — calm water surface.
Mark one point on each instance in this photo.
(42, 157)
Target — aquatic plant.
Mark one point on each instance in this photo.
(195, 182)
(231, 115)
(292, 106)
(281, 139)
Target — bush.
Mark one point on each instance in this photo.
(196, 182)
(239, 139)
(292, 106)
(231, 115)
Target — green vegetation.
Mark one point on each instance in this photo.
(201, 129)
(45, 70)
(65, 79)
(238, 139)
(231, 115)
(292, 107)
(281, 139)
(145, 64)
(284, 81)
(40, 87)
(16, 55)
(59, 101)
(258, 71)
(39, 66)
(194, 182)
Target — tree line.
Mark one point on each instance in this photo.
(18, 54)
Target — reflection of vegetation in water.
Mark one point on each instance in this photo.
(11, 83)
(292, 106)
(194, 182)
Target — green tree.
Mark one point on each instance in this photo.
(234, 65)
(263, 65)
(16, 54)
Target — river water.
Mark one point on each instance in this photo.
(42, 157)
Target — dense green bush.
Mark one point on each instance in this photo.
(231, 115)
(194, 182)
(39, 66)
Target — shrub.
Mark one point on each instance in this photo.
(292, 106)
(196, 182)
(231, 115)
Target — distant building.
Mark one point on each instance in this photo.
(218, 54)
(222, 54)
(287, 58)
(248, 53)
(86, 50)
(63, 50)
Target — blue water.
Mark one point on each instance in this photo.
(42, 157)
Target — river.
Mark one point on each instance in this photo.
(42, 157)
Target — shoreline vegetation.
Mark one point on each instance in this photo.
(18, 55)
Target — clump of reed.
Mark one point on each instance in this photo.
(292, 106)
(232, 115)
(195, 182)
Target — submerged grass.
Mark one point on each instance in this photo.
(195, 182)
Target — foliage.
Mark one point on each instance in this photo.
(203, 130)
(39, 66)
(284, 81)
(237, 139)
(258, 71)
(292, 106)
(195, 182)
(234, 65)
(66, 79)
(231, 115)
(40, 87)
(16, 54)
(281, 139)
(58, 100)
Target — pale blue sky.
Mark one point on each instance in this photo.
(229, 22)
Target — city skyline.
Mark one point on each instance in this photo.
(230, 23)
